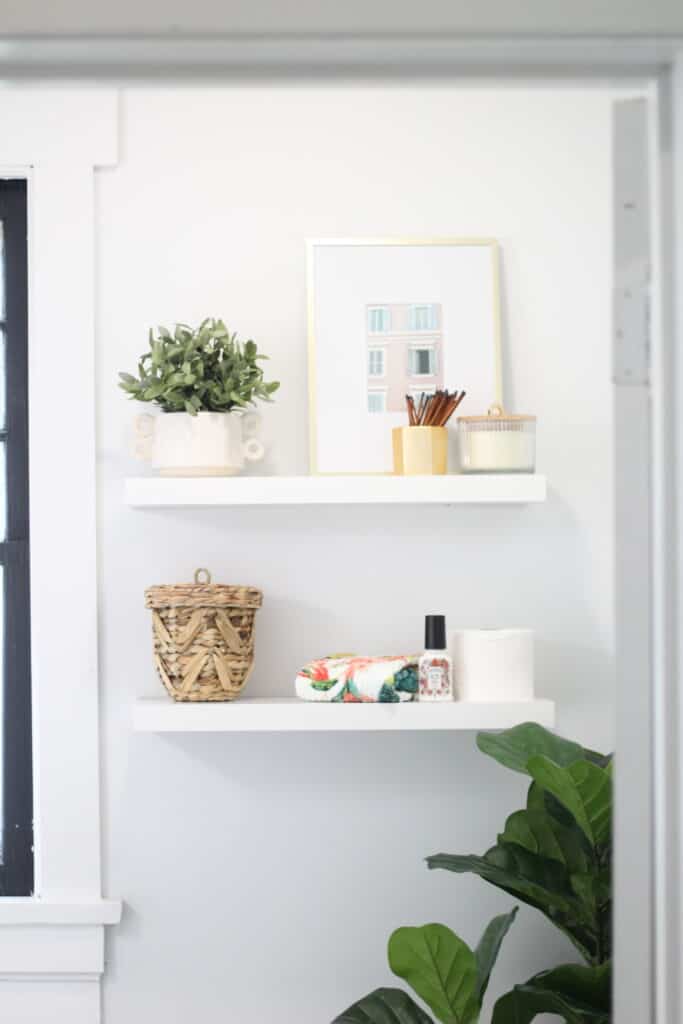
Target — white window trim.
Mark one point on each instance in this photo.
(56, 138)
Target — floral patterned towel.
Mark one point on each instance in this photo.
(352, 679)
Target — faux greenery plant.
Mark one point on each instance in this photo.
(203, 369)
(554, 855)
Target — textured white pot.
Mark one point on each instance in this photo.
(208, 444)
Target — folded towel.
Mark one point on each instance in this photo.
(352, 679)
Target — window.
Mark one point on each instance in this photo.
(16, 855)
(423, 318)
(376, 362)
(379, 319)
(377, 401)
(422, 361)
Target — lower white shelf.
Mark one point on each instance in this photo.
(268, 714)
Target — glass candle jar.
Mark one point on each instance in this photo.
(497, 443)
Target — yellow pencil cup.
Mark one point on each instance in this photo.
(420, 451)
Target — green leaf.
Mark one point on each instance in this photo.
(591, 890)
(539, 832)
(384, 1006)
(591, 986)
(602, 760)
(579, 995)
(513, 747)
(525, 1003)
(488, 949)
(157, 354)
(584, 789)
(541, 888)
(539, 799)
(541, 883)
(440, 967)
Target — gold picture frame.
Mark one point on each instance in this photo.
(312, 244)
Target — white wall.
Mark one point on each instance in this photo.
(263, 874)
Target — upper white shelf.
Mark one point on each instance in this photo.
(268, 714)
(486, 489)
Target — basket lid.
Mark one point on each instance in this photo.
(202, 594)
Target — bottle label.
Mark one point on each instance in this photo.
(435, 679)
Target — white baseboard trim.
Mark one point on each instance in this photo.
(43, 998)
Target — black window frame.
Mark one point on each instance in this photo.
(17, 868)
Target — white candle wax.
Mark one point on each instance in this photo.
(502, 451)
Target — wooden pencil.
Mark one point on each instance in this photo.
(433, 410)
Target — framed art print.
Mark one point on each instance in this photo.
(389, 318)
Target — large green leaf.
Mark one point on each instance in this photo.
(524, 1003)
(440, 967)
(539, 882)
(584, 789)
(384, 1006)
(513, 747)
(542, 884)
(580, 995)
(591, 986)
(488, 949)
(539, 832)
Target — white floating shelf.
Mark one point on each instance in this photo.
(266, 714)
(486, 489)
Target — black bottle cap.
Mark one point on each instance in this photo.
(435, 633)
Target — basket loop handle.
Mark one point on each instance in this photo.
(199, 573)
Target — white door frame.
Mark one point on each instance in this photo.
(549, 56)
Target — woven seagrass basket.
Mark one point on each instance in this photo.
(203, 637)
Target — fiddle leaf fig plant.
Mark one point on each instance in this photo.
(202, 369)
(555, 855)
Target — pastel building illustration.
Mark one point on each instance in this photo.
(404, 353)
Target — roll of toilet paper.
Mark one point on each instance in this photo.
(492, 664)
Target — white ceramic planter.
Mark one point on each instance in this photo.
(208, 444)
